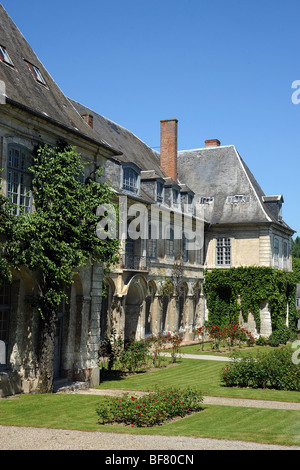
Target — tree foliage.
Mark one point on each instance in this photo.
(59, 236)
(296, 247)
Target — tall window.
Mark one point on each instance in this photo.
(176, 197)
(285, 255)
(160, 192)
(19, 178)
(170, 243)
(130, 180)
(152, 242)
(185, 252)
(276, 252)
(223, 251)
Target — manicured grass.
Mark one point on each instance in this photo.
(203, 374)
(78, 412)
(243, 350)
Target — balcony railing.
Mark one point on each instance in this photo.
(136, 262)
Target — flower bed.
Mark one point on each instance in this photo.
(151, 409)
(271, 370)
(230, 335)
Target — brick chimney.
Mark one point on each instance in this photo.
(168, 147)
(212, 143)
(89, 119)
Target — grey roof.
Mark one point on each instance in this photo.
(220, 172)
(132, 148)
(24, 91)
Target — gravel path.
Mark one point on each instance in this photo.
(15, 438)
(21, 438)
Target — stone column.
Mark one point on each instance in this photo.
(265, 320)
(94, 325)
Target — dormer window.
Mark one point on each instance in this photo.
(36, 73)
(131, 179)
(176, 197)
(238, 198)
(4, 57)
(206, 200)
(160, 192)
(190, 201)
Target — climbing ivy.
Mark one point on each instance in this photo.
(244, 289)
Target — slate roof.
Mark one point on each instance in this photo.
(22, 90)
(213, 171)
(220, 172)
(132, 149)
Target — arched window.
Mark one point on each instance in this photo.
(19, 178)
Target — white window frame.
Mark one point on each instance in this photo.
(4, 56)
(223, 251)
(130, 179)
(18, 181)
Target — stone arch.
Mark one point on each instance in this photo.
(135, 300)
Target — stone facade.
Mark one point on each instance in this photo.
(211, 187)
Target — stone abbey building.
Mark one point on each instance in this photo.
(158, 283)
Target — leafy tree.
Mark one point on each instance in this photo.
(59, 236)
(296, 270)
(296, 247)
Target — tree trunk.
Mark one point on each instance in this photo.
(46, 353)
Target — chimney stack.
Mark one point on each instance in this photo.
(168, 147)
(212, 143)
(89, 119)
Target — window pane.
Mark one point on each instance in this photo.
(19, 178)
(223, 251)
(130, 180)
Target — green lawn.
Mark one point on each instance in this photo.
(203, 374)
(71, 411)
(65, 411)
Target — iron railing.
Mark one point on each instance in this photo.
(136, 262)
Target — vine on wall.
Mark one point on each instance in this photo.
(244, 289)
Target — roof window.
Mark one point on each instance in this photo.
(238, 198)
(36, 73)
(5, 57)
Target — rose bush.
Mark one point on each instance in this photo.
(270, 370)
(150, 409)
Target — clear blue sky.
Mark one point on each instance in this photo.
(224, 69)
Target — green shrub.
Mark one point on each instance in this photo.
(273, 370)
(150, 409)
(261, 341)
(134, 355)
(279, 336)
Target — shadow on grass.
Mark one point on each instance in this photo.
(118, 375)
